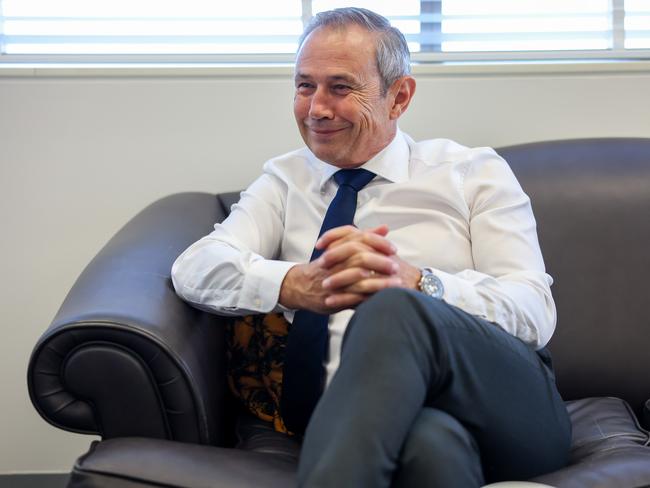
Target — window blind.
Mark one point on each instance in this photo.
(259, 30)
(637, 24)
(149, 26)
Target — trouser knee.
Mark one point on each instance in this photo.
(398, 307)
(396, 315)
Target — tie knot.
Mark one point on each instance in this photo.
(356, 178)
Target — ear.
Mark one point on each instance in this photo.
(401, 93)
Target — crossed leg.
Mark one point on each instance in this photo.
(404, 352)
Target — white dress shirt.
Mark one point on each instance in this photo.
(457, 210)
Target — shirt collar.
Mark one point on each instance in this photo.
(391, 163)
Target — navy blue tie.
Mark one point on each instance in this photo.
(304, 374)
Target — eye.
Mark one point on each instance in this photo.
(304, 87)
(341, 88)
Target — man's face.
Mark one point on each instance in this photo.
(341, 113)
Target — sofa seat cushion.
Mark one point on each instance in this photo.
(608, 447)
(133, 462)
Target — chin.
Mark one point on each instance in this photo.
(330, 157)
(341, 164)
(327, 159)
(322, 153)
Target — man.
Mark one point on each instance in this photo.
(439, 286)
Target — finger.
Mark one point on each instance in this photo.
(372, 285)
(334, 235)
(360, 280)
(346, 277)
(381, 230)
(375, 241)
(368, 243)
(347, 232)
(359, 292)
(341, 301)
(345, 252)
(345, 257)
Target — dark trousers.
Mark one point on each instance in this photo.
(428, 395)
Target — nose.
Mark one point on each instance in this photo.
(320, 106)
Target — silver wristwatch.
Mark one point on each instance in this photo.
(430, 284)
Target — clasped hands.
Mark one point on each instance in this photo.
(355, 264)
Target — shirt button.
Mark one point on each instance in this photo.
(258, 302)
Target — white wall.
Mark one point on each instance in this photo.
(79, 155)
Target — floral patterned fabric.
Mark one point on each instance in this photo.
(256, 349)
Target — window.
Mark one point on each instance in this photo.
(260, 30)
(637, 24)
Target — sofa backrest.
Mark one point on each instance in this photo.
(591, 199)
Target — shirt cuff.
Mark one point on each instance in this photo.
(262, 283)
(459, 293)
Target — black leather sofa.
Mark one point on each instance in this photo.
(126, 359)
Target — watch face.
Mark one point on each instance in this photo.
(432, 286)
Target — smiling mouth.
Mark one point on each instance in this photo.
(325, 132)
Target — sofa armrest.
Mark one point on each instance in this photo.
(124, 356)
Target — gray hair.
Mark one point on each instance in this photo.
(392, 52)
